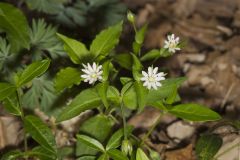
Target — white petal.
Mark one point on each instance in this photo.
(144, 79)
(158, 84)
(99, 67)
(144, 74)
(154, 86)
(155, 70)
(145, 83)
(94, 67)
(150, 71)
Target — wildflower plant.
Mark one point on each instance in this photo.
(99, 66)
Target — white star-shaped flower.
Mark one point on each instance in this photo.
(152, 78)
(172, 43)
(92, 73)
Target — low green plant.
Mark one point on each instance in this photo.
(111, 93)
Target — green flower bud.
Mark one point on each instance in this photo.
(126, 147)
(130, 17)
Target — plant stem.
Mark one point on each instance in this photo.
(151, 129)
(22, 117)
(227, 150)
(124, 120)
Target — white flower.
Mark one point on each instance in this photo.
(172, 43)
(152, 78)
(92, 73)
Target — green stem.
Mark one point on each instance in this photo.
(124, 120)
(22, 117)
(228, 150)
(151, 129)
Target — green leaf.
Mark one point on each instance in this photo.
(107, 66)
(141, 155)
(6, 89)
(207, 146)
(12, 155)
(15, 24)
(164, 91)
(129, 96)
(87, 99)
(102, 89)
(139, 37)
(106, 40)
(87, 158)
(66, 78)
(194, 112)
(142, 94)
(124, 60)
(172, 97)
(11, 104)
(136, 68)
(76, 50)
(103, 157)
(97, 127)
(154, 155)
(40, 133)
(33, 70)
(116, 139)
(150, 55)
(42, 153)
(125, 80)
(91, 142)
(116, 154)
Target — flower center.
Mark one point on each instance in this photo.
(172, 45)
(151, 79)
(94, 75)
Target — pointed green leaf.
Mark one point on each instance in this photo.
(165, 90)
(11, 104)
(66, 78)
(151, 55)
(194, 112)
(139, 37)
(124, 60)
(12, 155)
(40, 133)
(87, 99)
(129, 96)
(91, 142)
(207, 146)
(136, 68)
(42, 153)
(87, 158)
(103, 157)
(141, 155)
(102, 89)
(116, 154)
(142, 93)
(15, 24)
(76, 50)
(33, 70)
(6, 89)
(116, 139)
(98, 127)
(106, 40)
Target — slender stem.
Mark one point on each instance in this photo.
(151, 129)
(22, 117)
(124, 120)
(227, 150)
